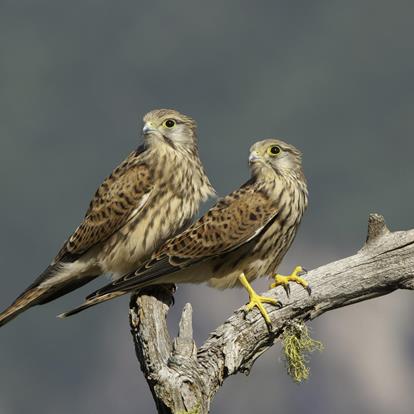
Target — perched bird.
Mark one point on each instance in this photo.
(244, 236)
(151, 196)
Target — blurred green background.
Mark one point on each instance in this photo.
(334, 78)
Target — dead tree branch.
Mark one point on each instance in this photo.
(184, 379)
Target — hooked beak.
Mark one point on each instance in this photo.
(148, 128)
(253, 157)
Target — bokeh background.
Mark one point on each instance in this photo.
(335, 78)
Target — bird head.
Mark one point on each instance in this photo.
(170, 127)
(273, 156)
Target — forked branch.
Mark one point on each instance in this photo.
(184, 379)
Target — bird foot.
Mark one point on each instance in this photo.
(256, 301)
(295, 277)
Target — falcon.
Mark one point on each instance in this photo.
(244, 236)
(151, 196)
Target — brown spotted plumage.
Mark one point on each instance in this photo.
(248, 232)
(150, 197)
(124, 191)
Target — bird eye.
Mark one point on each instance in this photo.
(273, 150)
(169, 123)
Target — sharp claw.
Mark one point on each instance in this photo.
(279, 305)
(294, 277)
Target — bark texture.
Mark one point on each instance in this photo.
(184, 379)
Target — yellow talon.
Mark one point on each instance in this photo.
(256, 300)
(293, 277)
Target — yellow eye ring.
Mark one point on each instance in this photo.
(274, 150)
(169, 123)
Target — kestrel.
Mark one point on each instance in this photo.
(244, 236)
(148, 198)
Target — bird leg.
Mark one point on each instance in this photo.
(256, 300)
(295, 276)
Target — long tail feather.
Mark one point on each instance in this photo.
(22, 303)
(91, 302)
(28, 298)
(38, 293)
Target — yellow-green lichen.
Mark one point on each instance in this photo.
(297, 344)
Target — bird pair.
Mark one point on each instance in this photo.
(137, 226)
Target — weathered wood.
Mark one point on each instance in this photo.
(183, 379)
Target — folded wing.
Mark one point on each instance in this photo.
(232, 222)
